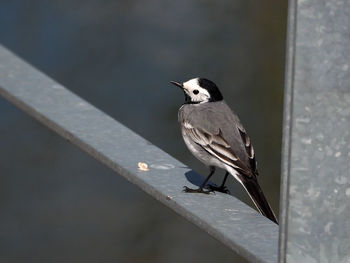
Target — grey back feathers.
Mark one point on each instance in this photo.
(216, 121)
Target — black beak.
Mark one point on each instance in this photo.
(177, 84)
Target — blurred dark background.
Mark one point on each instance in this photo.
(59, 205)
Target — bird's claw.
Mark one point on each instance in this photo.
(198, 190)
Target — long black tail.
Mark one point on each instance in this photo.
(256, 194)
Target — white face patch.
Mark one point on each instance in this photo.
(196, 92)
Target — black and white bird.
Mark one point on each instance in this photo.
(215, 136)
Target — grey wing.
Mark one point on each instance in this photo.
(249, 149)
(218, 147)
(219, 131)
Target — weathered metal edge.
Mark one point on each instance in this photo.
(287, 127)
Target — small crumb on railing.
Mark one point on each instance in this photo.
(143, 166)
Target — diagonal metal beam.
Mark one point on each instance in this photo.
(226, 218)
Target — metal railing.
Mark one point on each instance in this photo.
(315, 193)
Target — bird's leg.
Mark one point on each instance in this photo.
(201, 188)
(222, 188)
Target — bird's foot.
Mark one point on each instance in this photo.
(198, 190)
(222, 189)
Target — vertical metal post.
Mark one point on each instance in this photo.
(315, 205)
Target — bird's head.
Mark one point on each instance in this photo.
(199, 90)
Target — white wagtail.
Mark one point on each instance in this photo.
(215, 136)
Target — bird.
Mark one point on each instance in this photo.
(214, 134)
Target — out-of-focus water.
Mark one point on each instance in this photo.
(59, 205)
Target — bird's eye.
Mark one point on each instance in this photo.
(195, 91)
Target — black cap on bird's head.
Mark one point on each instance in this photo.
(199, 90)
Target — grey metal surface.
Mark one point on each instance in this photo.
(229, 220)
(315, 206)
